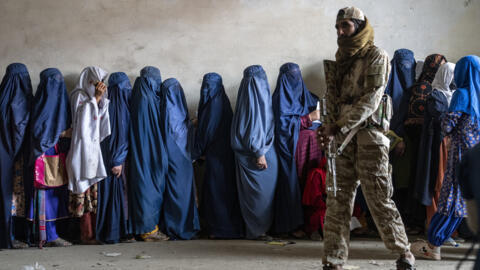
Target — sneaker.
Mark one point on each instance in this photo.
(421, 249)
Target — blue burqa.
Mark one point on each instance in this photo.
(180, 215)
(291, 100)
(50, 116)
(219, 206)
(111, 214)
(402, 77)
(467, 79)
(147, 158)
(252, 136)
(15, 100)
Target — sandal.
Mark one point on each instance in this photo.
(59, 242)
(155, 237)
(299, 234)
(19, 244)
(264, 237)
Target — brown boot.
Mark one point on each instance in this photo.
(406, 262)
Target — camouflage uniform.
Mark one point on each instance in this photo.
(364, 160)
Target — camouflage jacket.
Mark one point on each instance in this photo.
(355, 96)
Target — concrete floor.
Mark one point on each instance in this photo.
(216, 254)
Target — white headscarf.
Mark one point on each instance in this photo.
(418, 69)
(88, 77)
(443, 79)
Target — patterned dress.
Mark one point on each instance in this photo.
(464, 134)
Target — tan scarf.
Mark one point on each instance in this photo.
(349, 48)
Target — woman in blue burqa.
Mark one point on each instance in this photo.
(291, 100)
(255, 157)
(180, 215)
(15, 100)
(50, 122)
(147, 158)
(402, 77)
(219, 205)
(112, 209)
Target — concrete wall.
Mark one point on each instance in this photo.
(186, 39)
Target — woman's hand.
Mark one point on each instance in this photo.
(117, 170)
(100, 89)
(400, 149)
(314, 116)
(66, 133)
(262, 163)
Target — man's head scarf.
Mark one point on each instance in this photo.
(349, 48)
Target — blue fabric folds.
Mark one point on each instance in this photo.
(219, 207)
(291, 100)
(15, 102)
(442, 227)
(154, 73)
(51, 113)
(147, 158)
(252, 136)
(467, 79)
(111, 215)
(180, 215)
(402, 77)
(429, 147)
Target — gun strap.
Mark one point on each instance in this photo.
(348, 139)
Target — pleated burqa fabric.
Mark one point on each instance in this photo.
(402, 77)
(291, 100)
(180, 214)
(111, 209)
(252, 136)
(147, 158)
(50, 117)
(15, 100)
(219, 205)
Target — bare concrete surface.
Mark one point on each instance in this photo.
(215, 254)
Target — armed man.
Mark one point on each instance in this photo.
(358, 116)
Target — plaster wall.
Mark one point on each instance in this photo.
(187, 39)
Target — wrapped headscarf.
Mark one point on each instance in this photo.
(423, 87)
(467, 96)
(443, 80)
(349, 48)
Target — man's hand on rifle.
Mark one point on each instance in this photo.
(325, 134)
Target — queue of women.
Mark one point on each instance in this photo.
(118, 160)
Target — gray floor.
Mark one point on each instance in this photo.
(215, 254)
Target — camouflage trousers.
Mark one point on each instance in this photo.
(366, 165)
